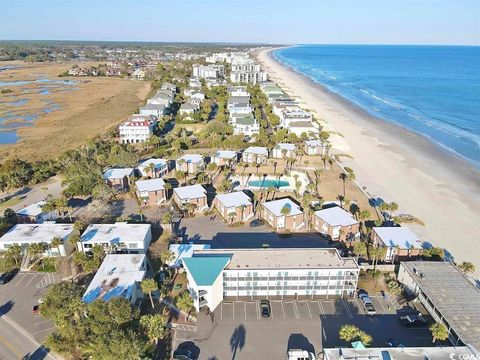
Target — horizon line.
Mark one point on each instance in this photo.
(235, 43)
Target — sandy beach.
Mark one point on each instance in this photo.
(395, 164)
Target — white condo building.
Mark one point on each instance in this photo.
(208, 71)
(247, 71)
(137, 129)
(215, 275)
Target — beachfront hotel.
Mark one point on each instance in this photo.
(223, 274)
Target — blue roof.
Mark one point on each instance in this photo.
(205, 269)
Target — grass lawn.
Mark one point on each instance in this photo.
(9, 203)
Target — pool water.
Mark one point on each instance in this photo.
(266, 183)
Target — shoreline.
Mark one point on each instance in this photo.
(396, 164)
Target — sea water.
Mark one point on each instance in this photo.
(431, 90)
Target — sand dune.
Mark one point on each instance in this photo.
(398, 165)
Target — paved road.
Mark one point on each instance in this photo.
(16, 343)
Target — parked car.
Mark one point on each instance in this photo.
(8, 276)
(183, 355)
(361, 293)
(186, 351)
(367, 303)
(257, 223)
(295, 354)
(36, 309)
(265, 308)
(416, 320)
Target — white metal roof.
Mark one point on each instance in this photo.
(36, 233)
(32, 209)
(150, 185)
(276, 206)
(190, 192)
(226, 154)
(314, 143)
(285, 146)
(115, 277)
(336, 216)
(234, 199)
(402, 237)
(156, 162)
(117, 173)
(259, 150)
(115, 233)
(191, 158)
(184, 250)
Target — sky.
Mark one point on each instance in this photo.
(245, 21)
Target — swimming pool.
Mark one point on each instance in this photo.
(266, 183)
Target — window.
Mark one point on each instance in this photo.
(132, 245)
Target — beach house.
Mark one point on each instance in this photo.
(118, 178)
(190, 163)
(301, 128)
(245, 125)
(188, 108)
(314, 147)
(336, 224)
(119, 275)
(151, 192)
(153, 168)
(120, 237)
(225, 158)
(34, 213)
(234, 207)
(255, 155)
(137, 129)
(196, 195)
(157, 110)
(283, 151)
(25, 235)
(401, 242)
(283, 215)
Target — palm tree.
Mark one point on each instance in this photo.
(285, 211)
(348, 332)
(344, 178)
(467, 267)
(231, 216)
(393, 206)
(439, 332)
(155, 326)
(56, 242)
(167, 256)
(185, 303)
(167, 188)
(148, 286)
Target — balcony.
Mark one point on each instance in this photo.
(202, 293)
(202, 303)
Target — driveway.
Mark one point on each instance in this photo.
(211, 229)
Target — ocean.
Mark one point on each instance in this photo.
(431, 90)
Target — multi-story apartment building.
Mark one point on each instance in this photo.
(193, 194)
(314, 147)
(401, 243)
(118, 178)
(234, 207)
(151, 192)
(283, 151)
(255, 155)
(190, 163)
(215, 275)
(153, 167)
(225, 157)
(336, 223)
(247, 71)
(283, 215)
(120, 237)
(208, 71)
(137, 129)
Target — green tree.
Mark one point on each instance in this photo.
(439, 332)
(348, 332)
(185, 303)
(467, 267)
(155, 326)
(167, 256)
(359, 249)
(148, 286)
(285, 211)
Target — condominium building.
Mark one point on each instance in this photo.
(215, 275)
(283, 215)
(225, 157)
(153, 167)
(151, 192)
(137, 129)
(448, 295)
(208, 71)
(401, 243)
(247, 71)
(336, 224)
(192, 194)
(120, 237)
(283, 151)
(190, 163)
(245, 125)
(255, 154)
(34, 213)
(234, 207)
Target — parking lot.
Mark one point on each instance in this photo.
(237, 328)
(18, 297)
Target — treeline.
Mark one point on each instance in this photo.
(82, 169)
